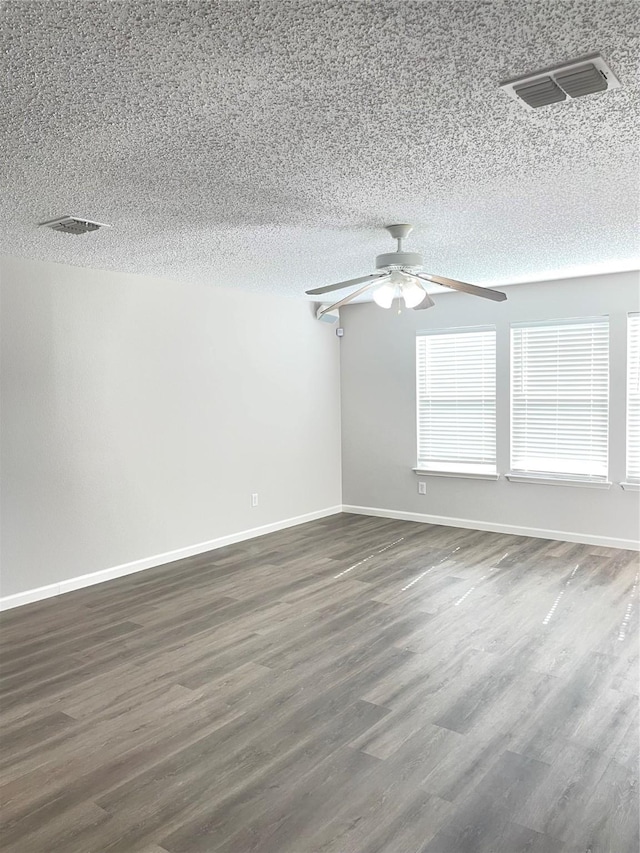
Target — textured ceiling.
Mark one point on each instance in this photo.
(262, 144)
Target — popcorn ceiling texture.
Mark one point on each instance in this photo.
(262, 145)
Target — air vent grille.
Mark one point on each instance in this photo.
(563, 82)
(584, 81)
(543, 91)
(73, 225)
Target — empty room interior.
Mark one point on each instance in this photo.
(320, 447)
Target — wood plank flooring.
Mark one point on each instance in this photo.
(352, 685)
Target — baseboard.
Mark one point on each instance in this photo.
(536, 532)
(81, 581)
(51, 590)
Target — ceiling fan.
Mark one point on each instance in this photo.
(399, 276)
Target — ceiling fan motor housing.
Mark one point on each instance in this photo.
(399, 261)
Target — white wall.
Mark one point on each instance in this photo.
(378, 415)
(139, 414)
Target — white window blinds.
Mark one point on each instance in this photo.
(633, 397)
(560, 398)
(456, 400)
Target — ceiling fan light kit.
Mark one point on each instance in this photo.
(400, 277)
(400, 284)
(414, 294)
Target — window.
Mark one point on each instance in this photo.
(560, 398)
(633, 397)
(456, 400)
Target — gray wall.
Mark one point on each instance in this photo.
(140, 414)
(378, 411)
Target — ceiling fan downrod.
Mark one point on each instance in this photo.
(399, 260)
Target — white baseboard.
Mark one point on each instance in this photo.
(81, 581)
(536, 532)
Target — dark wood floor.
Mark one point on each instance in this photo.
(350, 685)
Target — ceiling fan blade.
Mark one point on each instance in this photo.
(427, 302)
(473, 289)
(373, 277)
(379, 279)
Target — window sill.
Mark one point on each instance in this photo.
(631, 487)
(465, 475)
(557, 481)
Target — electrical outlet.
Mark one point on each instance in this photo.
(254, 499)
(422, 487)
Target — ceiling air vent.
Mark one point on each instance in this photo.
(73, 225)
(543, 91)
(562, 82)
(583, 81)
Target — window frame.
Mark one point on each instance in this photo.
(519, 475)
(631, 482)
(491, 473)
